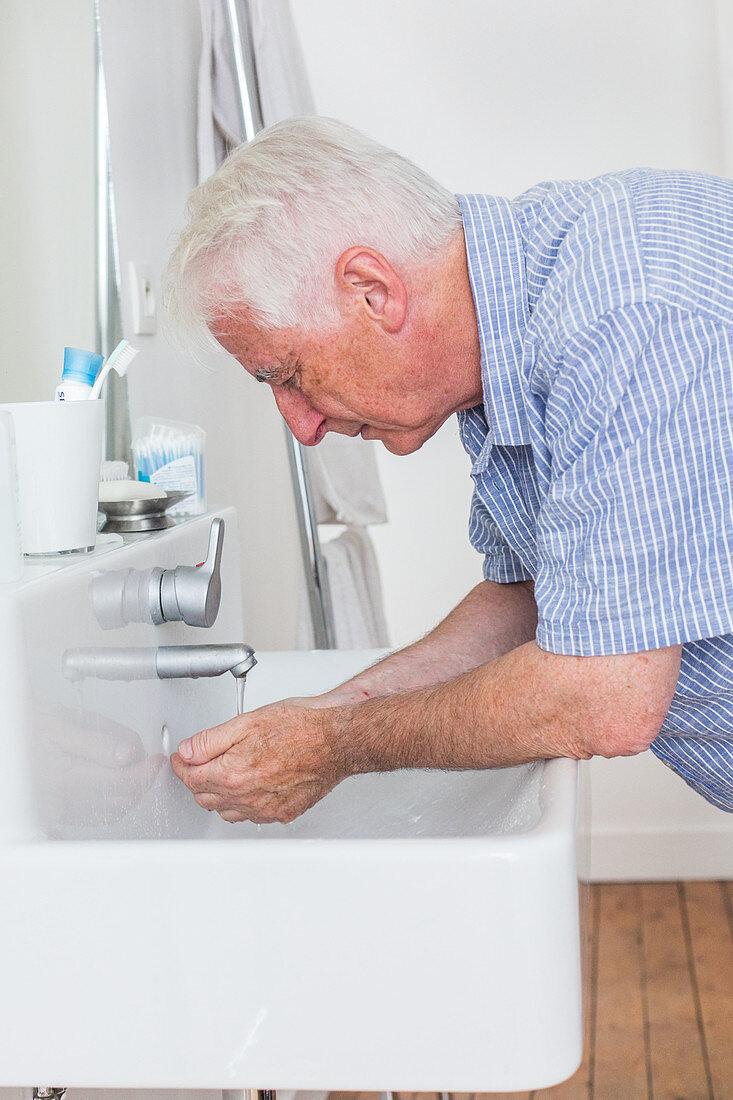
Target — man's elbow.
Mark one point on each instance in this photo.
(627, 737)
(626, 730)
(591, 731)
(620, 703)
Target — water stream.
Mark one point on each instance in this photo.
(241, 683)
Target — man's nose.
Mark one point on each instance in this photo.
(299, 415)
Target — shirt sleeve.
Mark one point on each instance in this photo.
(635, 529)
(501, 564)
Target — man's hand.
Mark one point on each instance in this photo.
(271, 764)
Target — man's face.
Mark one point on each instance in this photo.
(354, 380)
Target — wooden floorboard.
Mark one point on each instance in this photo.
(659, 998)
(712, 950)
(676, 1055)
(620, 1062)
(727, 888)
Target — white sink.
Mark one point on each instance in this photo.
(415, 931)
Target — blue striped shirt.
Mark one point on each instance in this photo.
(602, 456)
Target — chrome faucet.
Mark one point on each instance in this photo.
(165, 662)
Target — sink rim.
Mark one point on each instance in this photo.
(557, 824)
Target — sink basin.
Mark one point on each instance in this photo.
(414, 931)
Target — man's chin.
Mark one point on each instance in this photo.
(403, 447)
(401, 442)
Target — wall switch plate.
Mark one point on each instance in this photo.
(142, 297)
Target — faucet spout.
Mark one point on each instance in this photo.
(164, 663)
(174, 661)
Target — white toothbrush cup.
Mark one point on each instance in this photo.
(59, 451)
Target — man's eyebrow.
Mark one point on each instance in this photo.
(267, 374)
(278, 375)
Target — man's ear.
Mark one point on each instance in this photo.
(365, 277)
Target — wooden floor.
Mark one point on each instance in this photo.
(660, 999)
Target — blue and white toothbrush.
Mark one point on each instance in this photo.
(118, 360)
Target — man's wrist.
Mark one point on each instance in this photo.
(358, 734)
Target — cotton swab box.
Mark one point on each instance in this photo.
(170, 454)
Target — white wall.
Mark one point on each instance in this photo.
(496, 95)
(47, 192)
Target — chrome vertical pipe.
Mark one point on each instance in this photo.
(244, 68)
(107, 306)
(250, 112)
(319, 594)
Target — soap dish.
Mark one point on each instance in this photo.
(127, 517)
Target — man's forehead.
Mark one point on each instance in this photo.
(262, 354)
(237, 332)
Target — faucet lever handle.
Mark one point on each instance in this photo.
(192, 593)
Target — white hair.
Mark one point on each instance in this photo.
(265, 230)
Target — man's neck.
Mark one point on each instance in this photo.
(450, 325)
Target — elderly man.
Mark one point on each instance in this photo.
(583, 335)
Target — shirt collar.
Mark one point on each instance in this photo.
(495, 253)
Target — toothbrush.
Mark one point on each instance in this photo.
(118, 360)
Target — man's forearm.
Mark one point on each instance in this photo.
(490, 621)
(273, 763)
(526, 705)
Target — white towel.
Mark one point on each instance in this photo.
(282, 79)
(346, 481)
(218, 121)
(352, 574)
(282, 82)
